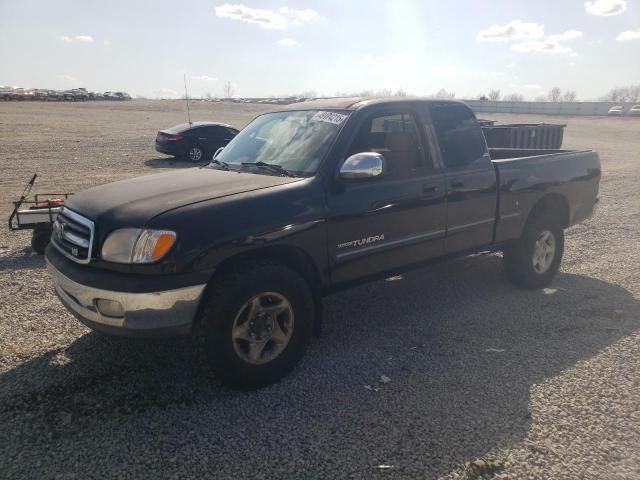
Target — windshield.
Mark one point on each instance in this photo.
(296, 141)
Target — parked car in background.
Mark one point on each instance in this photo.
(616, 111)
(110, 96)
(196, 141)
(21, 94)
(40, 94)
(635, 111)
(80, 94)
(7, 93)
(54, 96)
(122, 96)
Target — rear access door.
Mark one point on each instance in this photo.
(469, 176)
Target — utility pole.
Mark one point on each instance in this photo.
(186, 96)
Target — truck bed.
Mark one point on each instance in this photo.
(525, 176)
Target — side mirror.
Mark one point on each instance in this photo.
(363, 165)
(215, 155)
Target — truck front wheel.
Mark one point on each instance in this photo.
(256, 323)
(533, 260)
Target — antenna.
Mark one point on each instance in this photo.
(186, 96)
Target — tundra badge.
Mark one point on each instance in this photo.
(362, 241)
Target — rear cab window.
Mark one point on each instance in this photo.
(460, 138)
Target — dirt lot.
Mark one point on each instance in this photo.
(540, 384)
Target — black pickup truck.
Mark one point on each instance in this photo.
(300, 203)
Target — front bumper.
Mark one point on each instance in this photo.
(169, 312)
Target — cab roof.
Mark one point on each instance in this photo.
(354, 103)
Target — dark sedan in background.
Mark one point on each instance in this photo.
(194, 141)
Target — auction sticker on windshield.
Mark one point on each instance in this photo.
(330, 117)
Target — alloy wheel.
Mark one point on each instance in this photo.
(263, 328)
(195, 154)
(544, 252)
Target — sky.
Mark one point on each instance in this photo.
(276, 48)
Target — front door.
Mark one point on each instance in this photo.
(384, 223)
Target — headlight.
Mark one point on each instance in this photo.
(119, 245)
(135, 245)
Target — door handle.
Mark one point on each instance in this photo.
(457, 184)
(429, 188)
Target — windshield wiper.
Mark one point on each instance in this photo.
(269, 166)
(224, 165)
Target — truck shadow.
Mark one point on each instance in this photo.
(461, 347)
(23, 259)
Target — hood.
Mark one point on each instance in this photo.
(135, 201)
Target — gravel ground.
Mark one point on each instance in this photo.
(522, 384)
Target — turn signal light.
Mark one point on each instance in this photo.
(152, 245)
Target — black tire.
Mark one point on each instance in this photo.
(40, 238)
(224, 302)
(518, 257)
(193, 156)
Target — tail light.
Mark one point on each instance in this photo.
(173, 138)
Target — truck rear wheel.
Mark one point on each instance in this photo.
(533, 260)
(256, 323)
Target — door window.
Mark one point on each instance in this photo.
(395, 136)
(211, 133)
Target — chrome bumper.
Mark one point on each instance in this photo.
(144, 313)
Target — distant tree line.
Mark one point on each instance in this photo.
(629, 93)
(554, 95)
(623, 94)
(385, 92)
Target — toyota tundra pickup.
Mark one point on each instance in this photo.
(301, 203)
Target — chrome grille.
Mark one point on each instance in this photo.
(73, 235)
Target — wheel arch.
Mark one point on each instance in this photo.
(290, 256)
(554, 204)
(293, 257)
